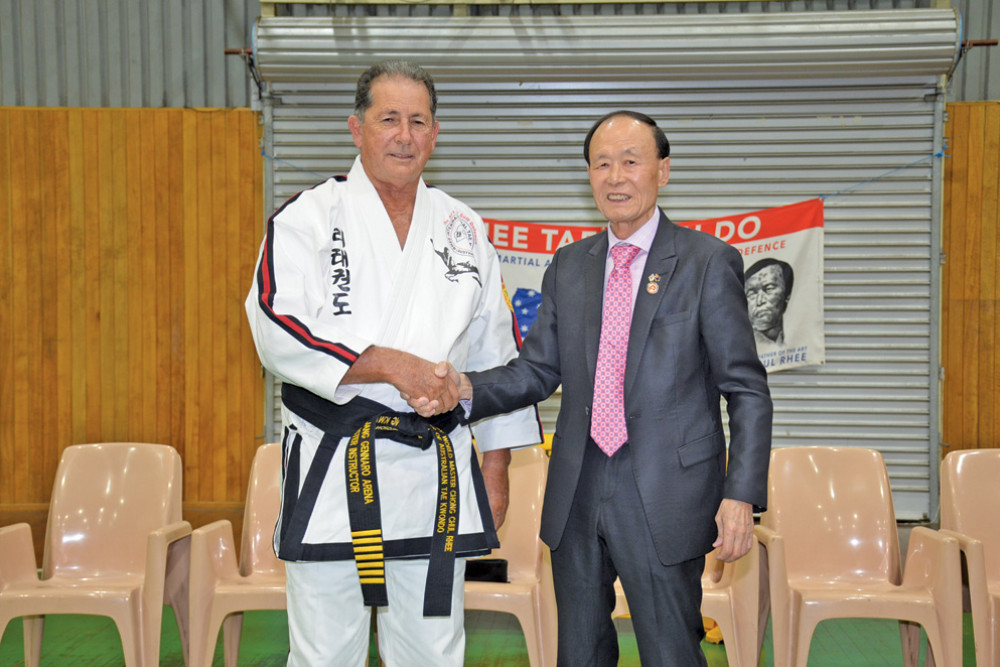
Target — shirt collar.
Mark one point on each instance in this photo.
(643, 237)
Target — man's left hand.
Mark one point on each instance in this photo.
(495, 474)
(735, 523)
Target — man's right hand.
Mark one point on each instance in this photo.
(426, 405)
(410, 374)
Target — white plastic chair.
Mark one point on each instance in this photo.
(220, 590)
(833, 552)
(115, 546)
(529, 594)
(970, 512)
(730, 596)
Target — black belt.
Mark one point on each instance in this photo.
(370, 420)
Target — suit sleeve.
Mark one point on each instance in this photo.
(534, 374)
(494, 340)
(736, 370)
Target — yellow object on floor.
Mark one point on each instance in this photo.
(713, 634)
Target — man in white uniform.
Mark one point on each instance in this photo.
(359, 281)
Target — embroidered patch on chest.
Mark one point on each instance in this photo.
(461, 234)
(458, 256)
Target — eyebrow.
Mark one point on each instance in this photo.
(396, 112)
(632, 150)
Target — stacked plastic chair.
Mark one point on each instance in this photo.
(115, 546)
(221, 590)
(730, 597)
(833, 552)
(528, 594)
(970, 512)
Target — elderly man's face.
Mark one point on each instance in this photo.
(766, 298)
(626, 173)
(398, 133)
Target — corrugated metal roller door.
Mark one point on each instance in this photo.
(761, 110)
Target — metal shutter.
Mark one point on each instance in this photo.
(761, 110)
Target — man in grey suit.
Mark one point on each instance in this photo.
(648, 509)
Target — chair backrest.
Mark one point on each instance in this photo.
(519, 541)
(970, 500)
(106, 500)
(261, 513)
(833, 506)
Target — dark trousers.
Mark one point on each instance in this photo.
(607, 536)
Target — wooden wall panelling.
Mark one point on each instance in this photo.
(969, 278)
(988, 220)
(7, 469)
(963, 265)
(128, 243)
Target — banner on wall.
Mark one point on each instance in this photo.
(782, 252)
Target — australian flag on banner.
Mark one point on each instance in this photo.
(526, 302)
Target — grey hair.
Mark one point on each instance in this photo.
(363, 96)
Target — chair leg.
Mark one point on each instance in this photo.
(784, 632)
(176, 593)
(531, 639)
(132, 643)
(731, 642)
(944, 648)
(204, 636)
(33, 627)
(232, 629)
(991, 652)
(909, 634)
(763, 603)
(803, 635)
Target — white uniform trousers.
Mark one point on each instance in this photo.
(329, 626)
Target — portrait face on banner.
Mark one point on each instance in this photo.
(782, 252)
(768, 286)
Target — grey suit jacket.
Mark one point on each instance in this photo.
(690, 342)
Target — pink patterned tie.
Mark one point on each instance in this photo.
(607, 423)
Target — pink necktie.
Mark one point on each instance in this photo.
(607, 422)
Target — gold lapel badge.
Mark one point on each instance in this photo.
(653, 286)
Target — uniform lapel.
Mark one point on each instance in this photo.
(593, 284)
(661, 262)
(397, 266)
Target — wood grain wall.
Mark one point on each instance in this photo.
(970, 348)
(127, 244)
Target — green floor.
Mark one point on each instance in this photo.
(493, 640)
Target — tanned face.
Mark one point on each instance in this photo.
(626, 173)
(398, 133)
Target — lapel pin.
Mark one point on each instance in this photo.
(654, 277)
(653, 286)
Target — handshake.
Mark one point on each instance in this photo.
(437, 389)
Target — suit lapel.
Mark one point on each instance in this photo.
(593, 284)
(661, 261)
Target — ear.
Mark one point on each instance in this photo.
(664, 171)
(434, 135)
(354, 125)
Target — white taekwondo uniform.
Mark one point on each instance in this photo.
(331, 280)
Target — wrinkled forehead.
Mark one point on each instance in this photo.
(620, 134)
(395, 92)
(769, 274)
